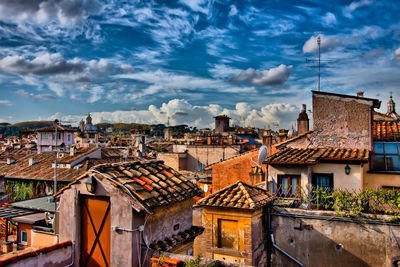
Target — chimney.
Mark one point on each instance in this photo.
(267, 138)
(282, 136)
(31, 161)
(72, 151)
(360, 93)
(303, 122)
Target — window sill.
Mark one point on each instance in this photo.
(383, 172)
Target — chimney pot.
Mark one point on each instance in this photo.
(360, 93)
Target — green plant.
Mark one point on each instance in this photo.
(194, 263)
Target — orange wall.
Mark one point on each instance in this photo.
(230, 171)
(41, 239)
(27, 228)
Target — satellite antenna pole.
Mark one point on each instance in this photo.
(319, 62)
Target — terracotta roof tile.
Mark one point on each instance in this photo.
(238, 195)
(182, 237)
(148, 191)
(386, 130)
(315, 155)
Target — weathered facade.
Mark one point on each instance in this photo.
(140, 204)
(314, 238)
(233, 222)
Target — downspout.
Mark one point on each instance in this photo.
(271, 243)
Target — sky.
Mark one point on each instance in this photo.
(184, 62)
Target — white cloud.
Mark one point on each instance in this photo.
(233, 10)
(348, 10)
(56, 88)
(180, 111)
(64, 12)
(397, 54)
(35, 96)
(273, 76)
(5, 103)
(327, 43)
(329, 19)
(96, 94)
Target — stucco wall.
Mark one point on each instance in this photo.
(121, 216)
(316, 242)
(177, 161)
(59, 257)
(353, 181)
(341, 122)
(377, 180)
(161, 224)
(208, 155)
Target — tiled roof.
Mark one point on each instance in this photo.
(53, 128)
(181, 238)
(386, 130)
(294, 138)
(315, 155)
(150, 182)
(43, 170)
(238, 195)
(80, 152)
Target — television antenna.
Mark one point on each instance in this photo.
(319, 62)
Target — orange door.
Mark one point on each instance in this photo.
(95, 231)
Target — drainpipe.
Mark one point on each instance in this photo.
(271, 243)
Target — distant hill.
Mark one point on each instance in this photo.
(7, 129)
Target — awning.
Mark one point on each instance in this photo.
(10, 212)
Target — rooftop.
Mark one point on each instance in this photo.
(53, 128)
(386, 131)
(37, 204)
(238, 196)
(315, 155)
(149, 182)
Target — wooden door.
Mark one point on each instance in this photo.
(95, 231)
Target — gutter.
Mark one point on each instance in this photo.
(284, 252)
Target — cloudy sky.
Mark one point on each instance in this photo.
(189, 60)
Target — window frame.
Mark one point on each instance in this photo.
(386, 156)
(21, 236)
(289, 177)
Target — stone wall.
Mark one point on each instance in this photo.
(342, 121)
(319, 238)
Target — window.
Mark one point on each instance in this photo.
(24, 237)
(228, 234)
(386, 156)
(69, 138)
(289, 185)
(322, 184)
(45, 136)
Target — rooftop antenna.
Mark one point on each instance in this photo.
(319, 62)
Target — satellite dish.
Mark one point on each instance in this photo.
(206, 188)
(262, 154)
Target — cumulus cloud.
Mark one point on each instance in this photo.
(329, 20)
(43, 64)
(327, 43)
(397, 54)
(180, 111)
(348, 10)
(65, 12)
(5, 103)
(273, 76)
(35, 96)
(233, 10)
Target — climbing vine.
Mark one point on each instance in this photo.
(22, 190)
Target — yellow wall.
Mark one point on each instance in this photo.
(377, 180)
(207, 243)
(353, 181)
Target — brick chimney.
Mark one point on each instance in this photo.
(303, 123)
(282, 136)
(267, 138)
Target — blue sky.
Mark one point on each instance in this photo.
(186, 61)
